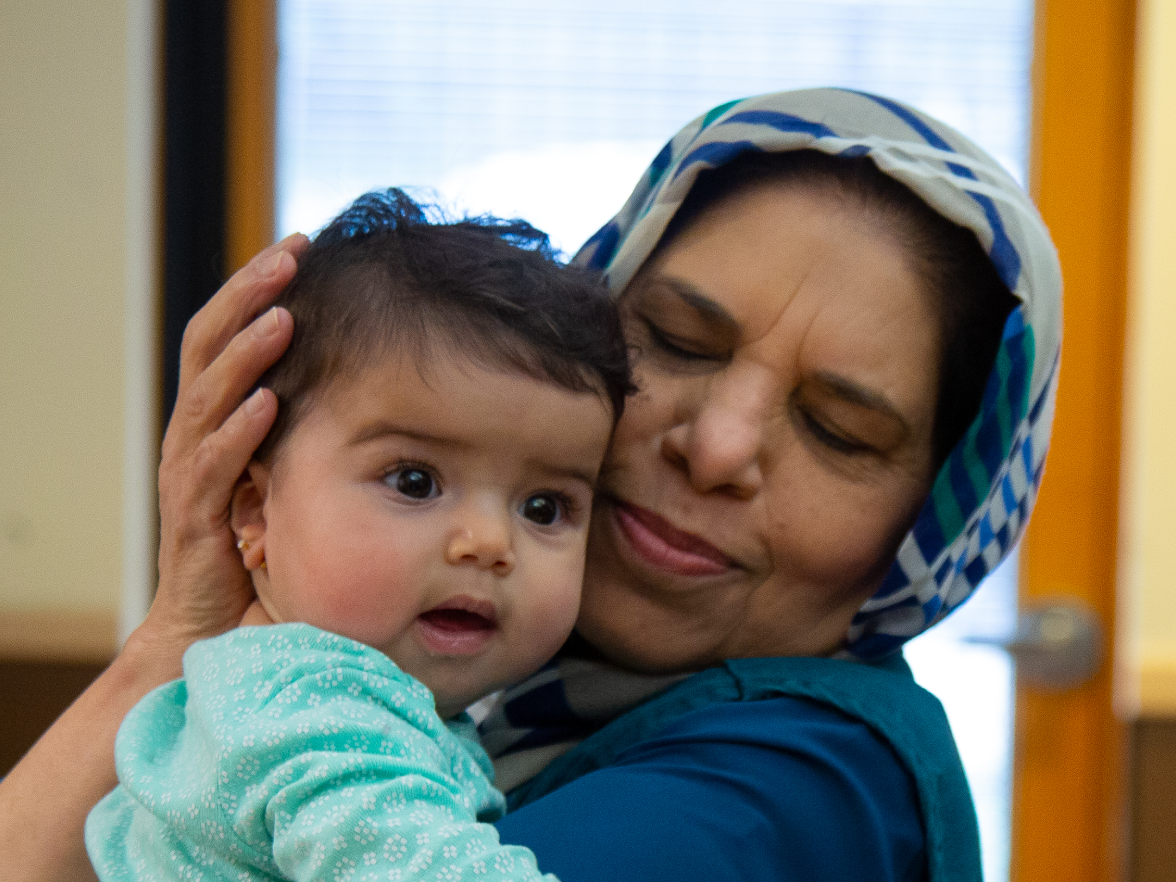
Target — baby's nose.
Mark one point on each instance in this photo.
(481, 540)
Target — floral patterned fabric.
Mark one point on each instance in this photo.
(287, 752)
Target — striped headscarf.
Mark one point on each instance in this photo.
(982, 496)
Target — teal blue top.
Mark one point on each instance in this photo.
(784, 768)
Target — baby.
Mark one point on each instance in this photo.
(416, 520)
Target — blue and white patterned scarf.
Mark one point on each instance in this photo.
(981, 498)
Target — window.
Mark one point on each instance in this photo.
(551, 109)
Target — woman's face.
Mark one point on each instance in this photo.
(779, 447)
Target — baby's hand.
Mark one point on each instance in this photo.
(256, 615)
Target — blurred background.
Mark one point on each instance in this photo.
(151, 148)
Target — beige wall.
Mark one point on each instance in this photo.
(1146, 664)
(77, 247)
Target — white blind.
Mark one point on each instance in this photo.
(551, 108)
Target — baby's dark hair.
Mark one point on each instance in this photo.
(382, 278)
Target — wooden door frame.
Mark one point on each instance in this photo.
(1068, 790)
(250, 123)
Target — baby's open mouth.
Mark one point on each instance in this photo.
(459, 626)
(457, 620)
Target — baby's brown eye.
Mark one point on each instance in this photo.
(542, 509)
(413, 483)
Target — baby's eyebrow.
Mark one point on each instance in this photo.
(382, 429)
(377, 429)
(576, 473)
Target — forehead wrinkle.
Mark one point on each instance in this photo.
(793, 315)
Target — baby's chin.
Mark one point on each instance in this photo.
(452, 705)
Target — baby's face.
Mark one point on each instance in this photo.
(440, 519)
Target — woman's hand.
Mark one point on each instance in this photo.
(203, 587)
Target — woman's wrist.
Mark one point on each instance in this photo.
(149, 658)
(45, 798)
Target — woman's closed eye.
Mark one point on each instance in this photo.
(832, 437)
(414, 481)
(848, 419)
(681, 348)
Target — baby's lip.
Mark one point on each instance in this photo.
(472, 611)
(462, 625)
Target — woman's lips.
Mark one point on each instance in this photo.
(460, 626)
(663, 545)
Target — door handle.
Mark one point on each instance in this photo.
(1056, 646)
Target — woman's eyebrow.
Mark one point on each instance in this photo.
(694, 298)
(853, 393)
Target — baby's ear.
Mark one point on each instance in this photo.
(247, 516)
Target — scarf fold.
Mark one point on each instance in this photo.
(982, 496)
(555, 709)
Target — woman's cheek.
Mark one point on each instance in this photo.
(821, 532)
(654, 409)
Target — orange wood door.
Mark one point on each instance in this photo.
(1068, 753)
(251, 98)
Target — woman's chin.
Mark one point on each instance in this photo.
(640, 646)
(656, 619)
(642, 614)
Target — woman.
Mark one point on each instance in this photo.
(819, 465)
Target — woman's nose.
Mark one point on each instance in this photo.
(481, 539)
(719, 446)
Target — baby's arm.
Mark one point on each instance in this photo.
(342, 766)
(409, 826)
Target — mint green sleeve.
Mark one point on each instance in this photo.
(375, 794)
(329, 764)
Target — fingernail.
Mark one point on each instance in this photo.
(254, 402)
(271, 264)
(267, 325)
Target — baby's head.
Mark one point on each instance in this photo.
(444, 408)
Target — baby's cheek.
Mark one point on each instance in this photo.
(359, 596)
(553, 617)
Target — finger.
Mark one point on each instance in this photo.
(207, 402)
(196, 490)
(222, 457)
(240, 299)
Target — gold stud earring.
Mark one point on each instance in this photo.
(242, 545)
